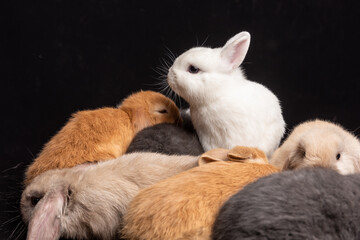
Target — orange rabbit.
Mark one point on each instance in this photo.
(104, 133)
(185, 206)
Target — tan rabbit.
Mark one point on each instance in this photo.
(185, 206)
(88, 201)
(104, 133)
(319, 143)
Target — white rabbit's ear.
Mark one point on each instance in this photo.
(235, 49)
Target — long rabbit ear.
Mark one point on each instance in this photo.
(235, 49)
(46, 222)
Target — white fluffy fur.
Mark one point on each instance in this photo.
(226, 108)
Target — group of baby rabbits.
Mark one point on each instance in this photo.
(147, 170)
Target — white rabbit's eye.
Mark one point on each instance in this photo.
(338, 156)
(193, 69)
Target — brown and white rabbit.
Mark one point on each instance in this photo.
(319, 143)
(88, 201)
(104, 133)
(185, 206)
(226, 108)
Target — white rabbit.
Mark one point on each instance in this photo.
(226, 108)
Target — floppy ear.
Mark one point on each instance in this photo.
(214, 155)
(45, 221)
(295, 159)
(247, 155)
(291, 163)
(235, 49)
(139, 118)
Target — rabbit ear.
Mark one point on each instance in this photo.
(240, 153)
(292, 163)
(247, 155)
(235, 49)
(289, 164)
(295, 158)
(46, 222)
(214, 155)
(139, 118)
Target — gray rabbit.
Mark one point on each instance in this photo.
(168, 138)
(311, 203)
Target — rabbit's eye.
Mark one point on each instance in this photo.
(193, 69)
(163, 111)
(338, 156)
(34, 200)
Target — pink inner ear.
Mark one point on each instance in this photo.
(235, 50)
(46, 223)
(239, 53)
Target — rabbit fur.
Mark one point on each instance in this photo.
(226, 108)
(309, 203)
(319, 143)
(184, 206)
(104, 133)
(89, 200)
(168, 138)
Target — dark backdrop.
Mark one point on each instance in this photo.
(61, 56)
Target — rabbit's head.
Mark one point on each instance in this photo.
(199, 72)
(324, 144)
(44, 200)
(147, 108)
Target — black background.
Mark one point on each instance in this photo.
(61, 56)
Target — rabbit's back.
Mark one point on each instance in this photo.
(187, 203)
(305, 204)
(88, 136)
(246, 114)
(168, 139)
